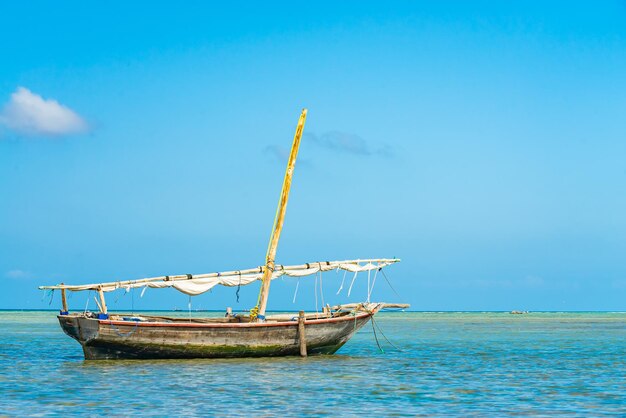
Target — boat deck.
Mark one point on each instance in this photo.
(227, 319)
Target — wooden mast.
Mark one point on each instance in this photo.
(279, 219)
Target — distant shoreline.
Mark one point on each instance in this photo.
(289, 310)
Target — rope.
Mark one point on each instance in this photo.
(371, 289)
(87, 303)
(376, 336)
(351, 283)
(118, 297)
(128, 334)
(389, 283)
(296, 292)
(321, 288)
(97, 303)
(342, 281)
(385, 337)
(254, 313)
(374, 326)
(316, 310)
(238, 288)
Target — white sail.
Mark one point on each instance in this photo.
(195, 284)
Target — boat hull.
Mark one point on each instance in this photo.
(112, 339)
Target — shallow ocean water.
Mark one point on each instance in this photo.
(442, 364)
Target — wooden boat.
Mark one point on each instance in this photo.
(105, 335)
(147, 337)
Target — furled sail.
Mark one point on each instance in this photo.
(195, 284)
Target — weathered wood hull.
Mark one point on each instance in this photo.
(112, 339)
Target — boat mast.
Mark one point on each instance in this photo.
(278, 222)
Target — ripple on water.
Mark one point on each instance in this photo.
(450, 363)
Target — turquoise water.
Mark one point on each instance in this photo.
(449, 364)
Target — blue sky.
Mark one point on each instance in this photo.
(484, 144)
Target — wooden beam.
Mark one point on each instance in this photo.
(181, 277)
(280, 218)
(103, 306)
(301, 334)
(64, 300)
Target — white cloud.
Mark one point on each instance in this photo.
(17, 274)
(28, 113)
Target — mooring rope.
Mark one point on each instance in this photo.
(376, 337)
(374, 326)
(385, 337)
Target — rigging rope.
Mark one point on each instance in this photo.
(371, 289)
(87, 303)
(316, 310)
(389, 283)
(296, 292)
(352, 283)
(343, 280)
(238, 288)
(117, 298)
(321, 289)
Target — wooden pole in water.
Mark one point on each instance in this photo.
(64, 300)
(280, 218)
(103, 307)
(301, 334)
